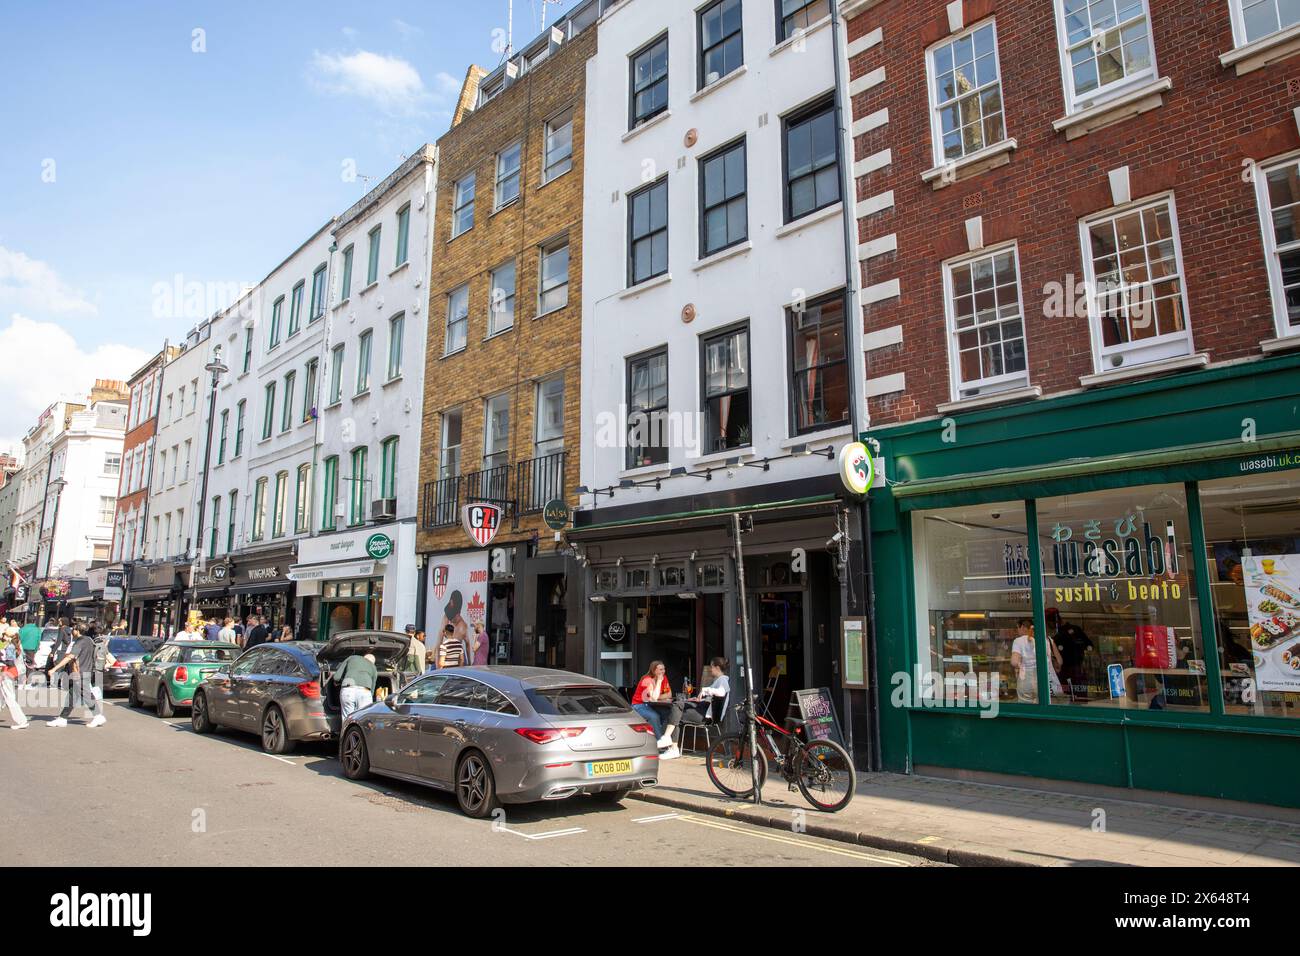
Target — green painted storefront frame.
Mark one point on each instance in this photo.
(1184, 429)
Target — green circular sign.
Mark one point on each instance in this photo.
(556, 514)
(379, 546)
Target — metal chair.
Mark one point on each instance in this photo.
(709, 726)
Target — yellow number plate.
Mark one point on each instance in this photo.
(609, 768)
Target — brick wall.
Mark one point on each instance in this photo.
(535, 348)
(1212, 120)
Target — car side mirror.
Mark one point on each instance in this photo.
(146, 659)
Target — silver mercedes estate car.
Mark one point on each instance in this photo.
(497, 735)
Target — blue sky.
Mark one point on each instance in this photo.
(128, 158)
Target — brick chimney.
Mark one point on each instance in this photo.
(109, 390)
(468, 93)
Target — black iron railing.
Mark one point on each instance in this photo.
(539, 480)
(440, 505)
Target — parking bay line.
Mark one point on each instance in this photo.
(502, 828)
(804, 844)
(657, 818)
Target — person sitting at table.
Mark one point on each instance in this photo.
(695, 711)
(652, 688)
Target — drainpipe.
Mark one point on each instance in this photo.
(858, 415)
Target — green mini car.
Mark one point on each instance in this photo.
(167, 677)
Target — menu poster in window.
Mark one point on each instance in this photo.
(1272, 584)
(818, 712)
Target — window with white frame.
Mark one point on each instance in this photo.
(549, 421)
(449, 447)
(462, 206)
(553, 289)
(501, 311)
(1106, 46)
(559, 146)
(966, 94)
(112, 463)
(986, 324)
(1278, 187)
(496, 431)
(507, 185)
(107, 508)
(457, 320)
(1135, 279)
(1255, 19)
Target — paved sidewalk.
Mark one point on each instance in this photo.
(977, 824)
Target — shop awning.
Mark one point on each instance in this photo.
(150, 594)
(331, 572)
(261, 587)
(87, 599)
(711, 516)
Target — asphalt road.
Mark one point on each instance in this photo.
(143, 791)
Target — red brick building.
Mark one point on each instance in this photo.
(1081, 307)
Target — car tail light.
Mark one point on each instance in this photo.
(181, 675)
(309, 689)
(642, 729)
(546, 735)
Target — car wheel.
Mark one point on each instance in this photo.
(353, 755)
(476, 790)
(133, 695)
(200, 721)
(275, 732)
(165, 708)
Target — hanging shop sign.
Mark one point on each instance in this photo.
(113, 581)
(556, 514)
(857, 468)
(379, 546)
(481, 522)
(1273, 600)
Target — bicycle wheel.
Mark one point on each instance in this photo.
(730, 767)
(824, 772)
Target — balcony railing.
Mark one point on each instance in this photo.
(490, 484)
(539, 480)
(440, 507)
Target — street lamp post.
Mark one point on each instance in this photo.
(217, 368)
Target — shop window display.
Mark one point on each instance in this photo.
(1119, 589)
(974, 562)
(1252, 535)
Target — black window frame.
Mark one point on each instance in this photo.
(795, 118)
(633, 239)
(720, 154)
(705, 340)
(633, 120)
(628, 363)
(701, 50)
(793, 373)
(781, 35)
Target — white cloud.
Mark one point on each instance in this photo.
(30, 285)
(45, 363)
(409, 31)
(390, 82)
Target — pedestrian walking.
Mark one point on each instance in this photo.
(452, 651)
(416, 651)
(10, 676)
(357, 679)
(82, 691)
(30, 635)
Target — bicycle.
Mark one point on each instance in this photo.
(822, 769)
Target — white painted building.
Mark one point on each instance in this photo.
(371, 390)
(178, 451)
(725, 198)
(37, 444)
(81, 496)
(717, 341)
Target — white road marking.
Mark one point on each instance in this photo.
(656, 819)
(538, 836)
(790, 841)
(274, 757)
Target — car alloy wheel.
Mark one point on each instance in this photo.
(199, 715)
(353, 755)
(473, 784)
(275, 735)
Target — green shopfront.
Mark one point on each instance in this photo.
(1101, 588)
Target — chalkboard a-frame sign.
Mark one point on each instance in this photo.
(818, 713)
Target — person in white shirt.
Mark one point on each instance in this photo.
(714, 698)
(1024, 656)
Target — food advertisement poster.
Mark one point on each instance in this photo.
(1272, 584)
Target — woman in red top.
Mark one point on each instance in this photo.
(653, 687)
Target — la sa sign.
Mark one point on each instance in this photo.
(857, 468)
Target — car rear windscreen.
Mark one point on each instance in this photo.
(127, 645)
(576, 701)
(208, 655)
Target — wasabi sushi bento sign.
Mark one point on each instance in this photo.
(1273, 598)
